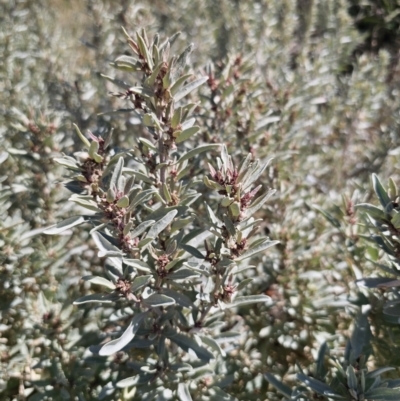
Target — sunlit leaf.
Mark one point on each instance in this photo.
(65, 225)
(116, 345)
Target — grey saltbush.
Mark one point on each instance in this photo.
(326, 111)
(170, 272)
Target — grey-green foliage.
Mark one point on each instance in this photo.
(288, 79)
(383, 222)
(170, 273)
(348, 377)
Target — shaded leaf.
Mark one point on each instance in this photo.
(382, 194)
(180, 299)
(374, 282)
(335, 222)
(378, 372)
(259, 248)
(117, 82)
(193, 251)
(384, 394)
(187, 343)
(316, 385)
(140, 282)
(282, 388)
(209, 341)
(155, 300)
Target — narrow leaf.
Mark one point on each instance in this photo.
(335, 222)
(183, 392)
(282, 388)
(254, 173)
(187, 133)
(141, 198)
(382, 194)
(104, 246)
(81, 136)
(209, 341)
(144, 51)
(187, 343)
(99, 281)
(371, 210)
(259, 202)
(117, 173)
(86, 203)
(188, 88)
(384, 394)
(229, 225)
(117, 82)
(250, 299)
(193, 251)
(162, 224)
(198, 150)
(253, 251)
(378, 372)
(183, 60)
(142, 243)
(155, 300)
(140, 282)
(316, 385)
(182, 274)
(351, 378)
(244, 283)
(180, 299)
(128, 382)
(141, 228)
(65, 225)
(138, 264)
(178, 83)
(116, 345)
(68, 162)
(99, 298)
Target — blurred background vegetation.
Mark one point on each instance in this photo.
(313, 83)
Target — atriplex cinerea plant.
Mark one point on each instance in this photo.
(170, 272)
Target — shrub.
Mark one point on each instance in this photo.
(283, 79)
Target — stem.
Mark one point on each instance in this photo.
(211, 304)
(205, 313)
(162, 158)
(161, 148)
